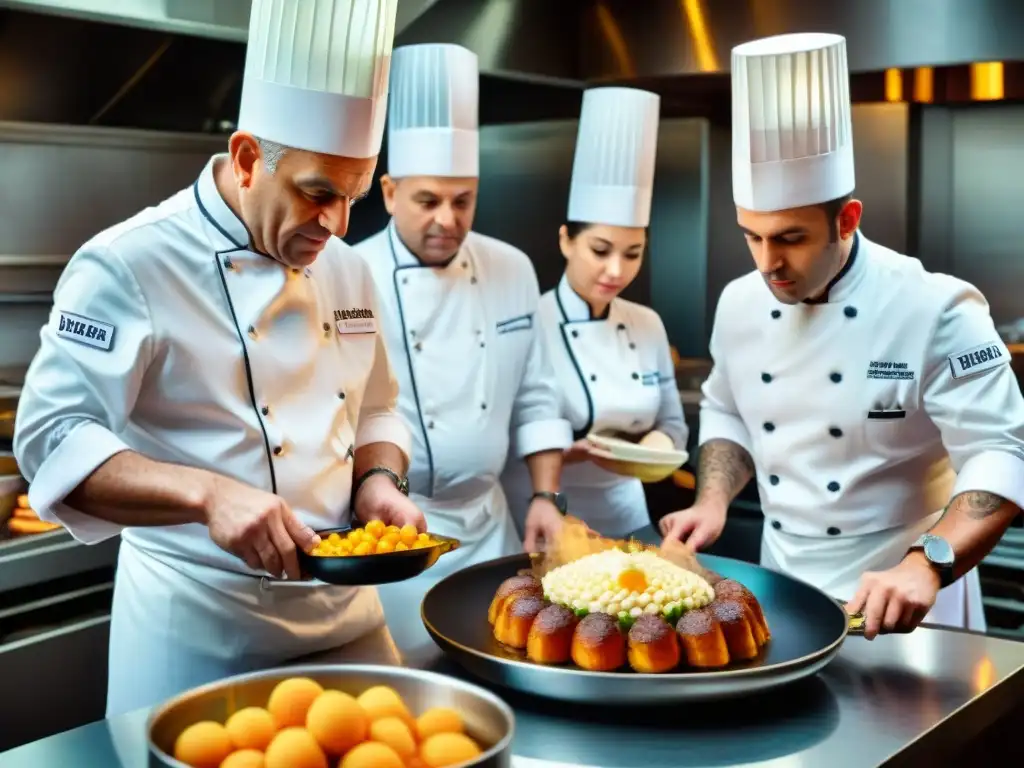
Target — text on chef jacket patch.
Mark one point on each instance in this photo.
(355, 320)
(975, 360)
(889, 369)
(85, 330)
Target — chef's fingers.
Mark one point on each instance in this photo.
(251, 558)
(530, 537)
(856, 605)
(681, 527)
(702, 536)
(269, 557)
(910, 618)
(303, 536)
(874, 610)
(285, 547)
(894, 613)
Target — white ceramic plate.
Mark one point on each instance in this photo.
(645, 471)
(627, 451)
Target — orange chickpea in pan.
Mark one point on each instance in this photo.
(374, 538)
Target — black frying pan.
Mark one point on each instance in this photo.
(807, 627)
(364, 570)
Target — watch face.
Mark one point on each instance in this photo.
(939, 551)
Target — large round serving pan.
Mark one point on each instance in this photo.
(807, 627)
(487, 718)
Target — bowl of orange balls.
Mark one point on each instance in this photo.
(373, 554)
(333, 716)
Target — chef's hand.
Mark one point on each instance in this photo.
(258, 527)
(577, 452)
(543, 522)
(898, 599)
(380, 499)
(699, 526)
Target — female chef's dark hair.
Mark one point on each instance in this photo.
(574, 229)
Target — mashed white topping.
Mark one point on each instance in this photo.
(632, 583)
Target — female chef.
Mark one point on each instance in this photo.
(611, 357)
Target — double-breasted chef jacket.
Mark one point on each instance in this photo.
(170, 337)
(864, 413)
(471, 365)
(614, 374)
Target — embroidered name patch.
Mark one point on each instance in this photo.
(85, 330)
(355, 321)
(983, 357)
(889, 369)
(521, 323)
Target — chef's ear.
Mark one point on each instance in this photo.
(387, 189)
(849, 218)
(244, 151)
(565, 242)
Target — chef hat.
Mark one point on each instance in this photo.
(792, 139)
(316, 74)
(613, 168)
(432, 117)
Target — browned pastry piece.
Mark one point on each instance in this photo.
(737, 623)
(514, 585)
(598, 644)
(702, 640)
(652, 645)
(713, 578)
(515, 619)
(728, 589)
(550, 640)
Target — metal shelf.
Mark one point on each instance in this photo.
(13, 261)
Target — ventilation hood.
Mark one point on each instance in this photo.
(177, 65)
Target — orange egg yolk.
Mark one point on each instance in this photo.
(633, 580)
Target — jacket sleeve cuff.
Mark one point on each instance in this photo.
(997, 472)
(384, 428)
(76, 457)
(715, 425)
(547, 435)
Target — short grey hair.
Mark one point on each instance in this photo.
(271, 152)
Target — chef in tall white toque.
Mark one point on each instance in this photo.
(213, 384)
(460, 318)
(611, 356)
(873, 400)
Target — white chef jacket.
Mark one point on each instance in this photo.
(471, 365)
(171, 338)
(864, 414)
(614, 374)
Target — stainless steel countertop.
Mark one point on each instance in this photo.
(886, 702)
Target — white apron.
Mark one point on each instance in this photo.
(222, 359)
(859, 425)
(174, 628)
(469, 363)
(615, 375)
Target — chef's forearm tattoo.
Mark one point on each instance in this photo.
(979, 504)
(723, 467)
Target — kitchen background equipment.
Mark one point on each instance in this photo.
(807, 627)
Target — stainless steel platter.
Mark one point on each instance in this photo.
(807, 627)
(488, 720)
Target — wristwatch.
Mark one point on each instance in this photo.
(400, 482)
(939, 554)
(558, 499)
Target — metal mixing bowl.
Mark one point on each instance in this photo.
(489, 721)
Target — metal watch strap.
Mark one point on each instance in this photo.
(400, 482)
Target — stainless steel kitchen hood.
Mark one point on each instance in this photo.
(217, 19)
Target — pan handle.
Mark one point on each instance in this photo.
(448, 545)
(855, 624)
